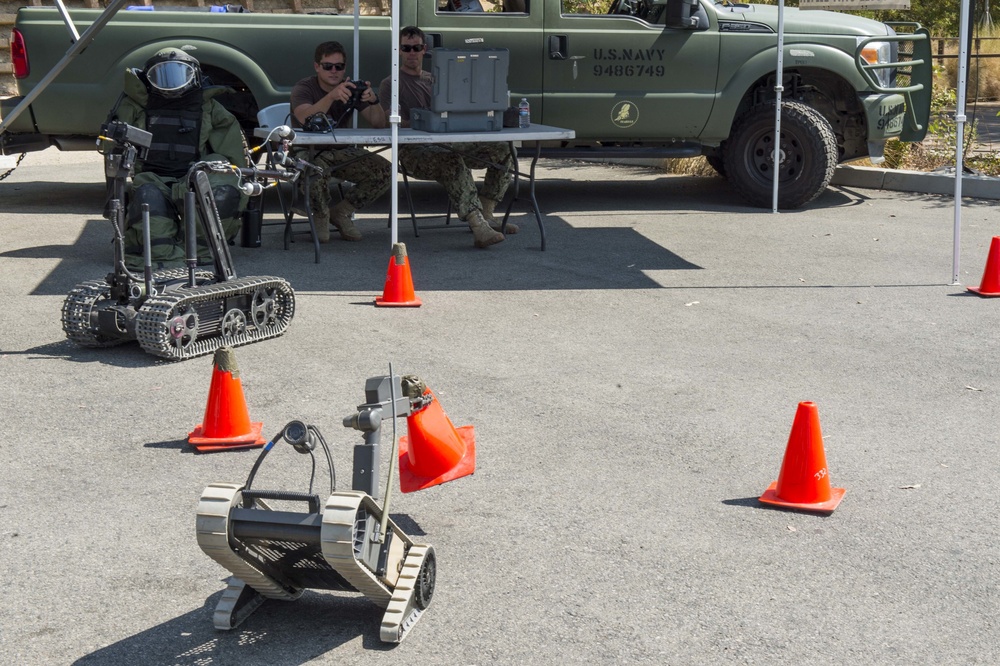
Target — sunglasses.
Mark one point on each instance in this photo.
(327, 66)
(407, 48)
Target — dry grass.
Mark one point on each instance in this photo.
(983, 74)
(689, 166)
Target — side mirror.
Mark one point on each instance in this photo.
(680, 14)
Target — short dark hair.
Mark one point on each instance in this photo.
(329, 48)
(412, 31)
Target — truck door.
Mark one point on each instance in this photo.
(462, 24)
(624, 74)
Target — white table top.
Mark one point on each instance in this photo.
(378, 137)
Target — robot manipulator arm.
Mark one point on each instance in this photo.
(130, 142)
(409, 398)
(386, 397)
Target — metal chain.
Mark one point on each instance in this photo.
(11, 170)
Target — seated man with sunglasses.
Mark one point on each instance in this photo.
(446, 165)
(330, 92)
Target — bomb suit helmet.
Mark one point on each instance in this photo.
(172, 72)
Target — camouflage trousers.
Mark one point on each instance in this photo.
(450, 166)
(165, 196)
(370, 174)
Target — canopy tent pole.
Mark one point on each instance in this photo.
(963, 53)
(778, 89)
(357, 51)
(394, 120)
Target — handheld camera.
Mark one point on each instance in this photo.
(359, 89)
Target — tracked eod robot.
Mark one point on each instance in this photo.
(348, 542)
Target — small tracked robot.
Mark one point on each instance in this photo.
(183, 312)
(347, 544)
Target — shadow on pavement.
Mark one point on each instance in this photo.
(128, 355)
(587, 254)
(591, 257)
(47, 197)
(278, 633)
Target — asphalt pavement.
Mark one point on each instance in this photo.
(632, 390)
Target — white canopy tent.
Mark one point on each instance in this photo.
(963, 55)
(960, 105)
(79, 42)
(394, 118)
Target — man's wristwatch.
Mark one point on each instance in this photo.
(376, 99)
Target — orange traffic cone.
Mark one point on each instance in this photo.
(398, 290)
(990, 286)
(434, 451)
(227, 422)
(804, 481)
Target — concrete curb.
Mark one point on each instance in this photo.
(872, 178)
(979, 187)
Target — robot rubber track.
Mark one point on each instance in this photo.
(82, 302)
(186, 323)
(213, 537)
(404, 603)
(182, 322)
(342, 535)
(76, 313)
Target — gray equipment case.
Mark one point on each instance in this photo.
(470, 91)
(447, 121)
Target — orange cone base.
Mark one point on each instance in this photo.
(398, 290)
(410, 481)
(989, 286)
(770, 496)
(382, 303)
(984, 294)
(251, 440)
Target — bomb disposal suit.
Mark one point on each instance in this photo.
(169, 99)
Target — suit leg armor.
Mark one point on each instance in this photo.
(163, 230)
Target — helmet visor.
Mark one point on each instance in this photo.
(171, 76)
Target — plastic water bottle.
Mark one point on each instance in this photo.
(524, 113)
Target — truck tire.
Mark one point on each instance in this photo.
(809, 155)
(241, 102)
(716, 162)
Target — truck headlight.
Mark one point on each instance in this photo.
(878, 53)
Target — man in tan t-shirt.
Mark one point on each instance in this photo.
(329, 92)
(446, 165)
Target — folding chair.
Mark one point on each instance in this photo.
(274, 116)
(414, 218)
(270, 118)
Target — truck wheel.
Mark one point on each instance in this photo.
(241, 103)
(717, 163)
(807, 159)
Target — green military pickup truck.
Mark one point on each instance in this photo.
(656, 78)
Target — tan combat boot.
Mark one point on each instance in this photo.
(340, 217)
(322, 223)
(481, 230)
(489, 205)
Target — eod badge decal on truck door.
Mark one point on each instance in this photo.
(624, 114)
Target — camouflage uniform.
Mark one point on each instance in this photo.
(448, 166)
(371, 176)
(221, 139)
